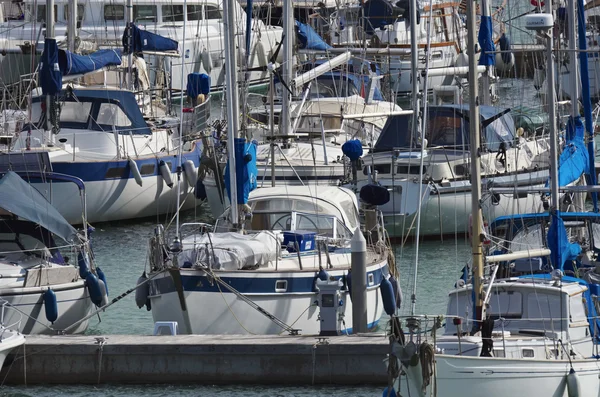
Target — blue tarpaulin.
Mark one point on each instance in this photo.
(574, 160)
(147, 41)
(50, 75)
(198, 83)
(561, 250)
(377, 14)
(73, 64)
(246, 170)
(487, 57)
(309, 39)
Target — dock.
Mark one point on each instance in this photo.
(199, 359)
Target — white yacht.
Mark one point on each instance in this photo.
(103, 24)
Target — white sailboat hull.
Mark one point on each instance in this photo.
(222, 312)
(25, 309)
(484, 376)
(117, 199)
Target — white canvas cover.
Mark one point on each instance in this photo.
(232, 251)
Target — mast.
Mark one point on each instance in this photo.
(49, 35)
(474, 130)
(232, 97)
(285, 125)
(129, 19)
(574, 92)
(180, 143)
(550, 81)
(72, 24)
(414, 63)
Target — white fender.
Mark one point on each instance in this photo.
(135, 171)
(206, 61)
(572, 384)
(539, 76)
(165, 173)
(190, 172)
(503, 67)
(103, 292)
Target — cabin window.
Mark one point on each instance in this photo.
(147, 169)
(41, 13)
(527, 353)
(75, 112)
(116, 172)
(111, 114)
(460, 170)
(577, 309)
(411, 169)
(194, 12)
(80, 12)
(281, 286)
(542, 307)
(380, 168)
(498, 353)
(274, 204)
(213, 12)
(172, 13)
(114, 12)
(506, 304)
(144, 13)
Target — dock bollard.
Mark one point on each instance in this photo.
(358, 246)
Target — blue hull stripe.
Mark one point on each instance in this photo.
(261, 285)
(97, 170)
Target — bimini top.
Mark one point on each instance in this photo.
(448, 126)
(23, 200)
(96, 109)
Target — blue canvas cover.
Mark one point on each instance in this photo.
(309, 39)
(487, 57)
(560, 247)
(74, 64)
(23, 200)
(574, 160)
(198, 83)
(378, 14)
(246, 170)
(353, 149)
(124, 99)
(147, 41)
(50, 75)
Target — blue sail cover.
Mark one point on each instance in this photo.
(74, 64)
(309, 39)
(50, 75)
(561, 250)
(487, 57)
(23, 200)
(574, 160)
(147, 41)
(246, 170)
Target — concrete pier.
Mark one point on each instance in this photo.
(201, 359)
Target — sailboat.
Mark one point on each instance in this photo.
(112, 137)
(257, 271)
(521, 335)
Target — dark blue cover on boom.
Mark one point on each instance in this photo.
(50, 75)
(74, 64)
(246, 170)
(147, 41)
